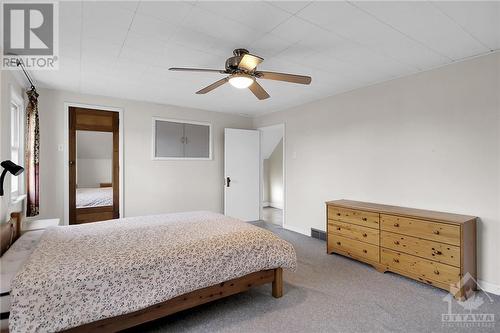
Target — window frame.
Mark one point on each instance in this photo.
(180, 121)
(17, 101)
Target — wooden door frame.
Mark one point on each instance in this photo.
(65, 147)
(100, 121)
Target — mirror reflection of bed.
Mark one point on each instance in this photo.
(94, 149)
(94, 169)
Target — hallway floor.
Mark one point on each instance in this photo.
(273, 215)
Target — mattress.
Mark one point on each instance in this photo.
(10, 263)
(94, 197)
(83, 273)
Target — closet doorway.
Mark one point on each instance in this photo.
(93, 165)
(272, 180)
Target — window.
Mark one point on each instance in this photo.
(177, 139)
(16, 144)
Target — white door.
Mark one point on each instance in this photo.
(241, 173)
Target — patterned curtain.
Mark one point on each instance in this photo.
(32, 154)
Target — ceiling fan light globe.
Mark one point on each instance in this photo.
(241, 81)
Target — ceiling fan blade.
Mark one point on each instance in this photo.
(182, 69)
(214, 85)
(249, 62)
(283, 77)
(258, 91)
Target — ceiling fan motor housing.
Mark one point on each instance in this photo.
(233, 62)
(240, 52)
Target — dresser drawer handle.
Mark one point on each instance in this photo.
(396, 242)
(396, 224)
(436, 232)
(364, 219)
(395, 260)
(338, 243)
(438, 252)
(338, 228)
(364, 251)
(436, 272)
(338, 214)
(365, 235)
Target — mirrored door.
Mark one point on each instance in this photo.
(93, 165)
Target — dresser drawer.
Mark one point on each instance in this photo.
(358, 217)
(354, 231)
(426, 269)
(443, 253)
(440, 232)
(353, 248)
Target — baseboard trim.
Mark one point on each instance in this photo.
(489, 287)
(303, 231)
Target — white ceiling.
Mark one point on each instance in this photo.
(124, 49)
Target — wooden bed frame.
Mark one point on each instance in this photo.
(186, 301)
(11, 230)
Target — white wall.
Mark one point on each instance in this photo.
(94, 144)
(93, 171)
(276, 176)
(266, 191)
(428, 141)
(9, 84)
(150, 186)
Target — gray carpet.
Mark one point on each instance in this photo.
(327, 293)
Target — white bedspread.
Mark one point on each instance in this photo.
(94, 197)
(10, 264)
(83, 273)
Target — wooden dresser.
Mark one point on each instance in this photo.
(432, 247)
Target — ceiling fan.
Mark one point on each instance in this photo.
(243, 73)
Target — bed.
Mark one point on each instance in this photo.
(10, 263)
(94, 197)
(109, 276)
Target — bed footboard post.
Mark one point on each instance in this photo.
(278, 282)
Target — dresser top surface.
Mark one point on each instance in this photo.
(403, 211)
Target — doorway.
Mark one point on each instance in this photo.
(94, 165)
(272, 180)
